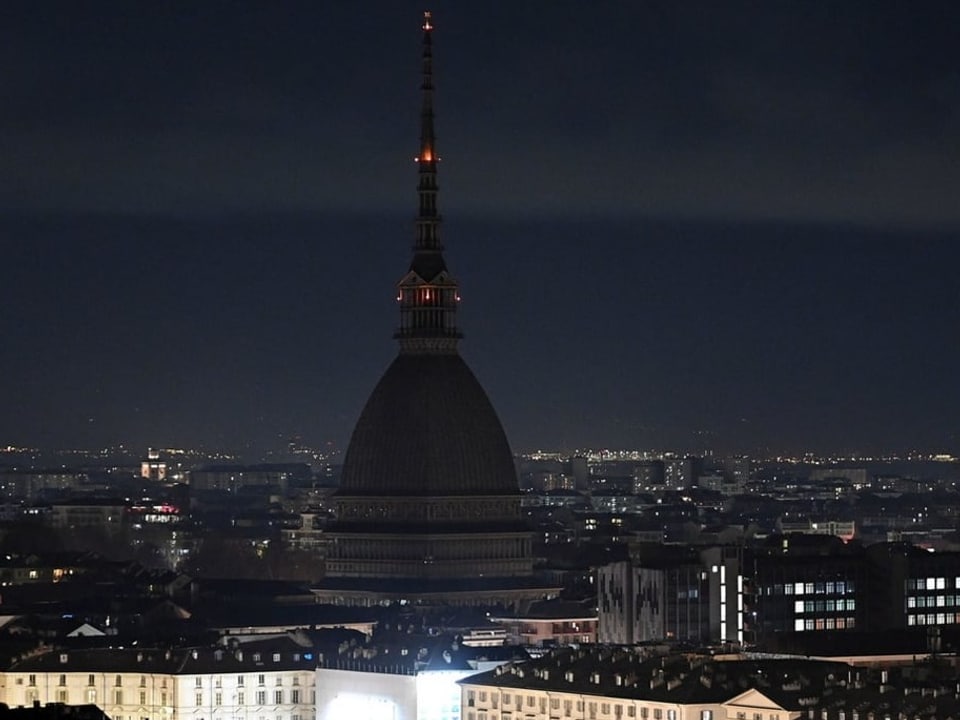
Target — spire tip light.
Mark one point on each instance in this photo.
(427, 20)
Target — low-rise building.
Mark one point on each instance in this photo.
(272, 679)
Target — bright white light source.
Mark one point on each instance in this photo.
(351, 706)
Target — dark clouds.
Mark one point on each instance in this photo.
(788, 110)
(205, 206)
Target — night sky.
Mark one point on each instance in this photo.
(693, 225)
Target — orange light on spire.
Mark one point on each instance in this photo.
(427, 17)
(426, 155)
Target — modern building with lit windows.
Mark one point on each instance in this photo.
(807, 584)
(675, 593)
(913, 587)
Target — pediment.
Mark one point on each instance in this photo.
(752, 699)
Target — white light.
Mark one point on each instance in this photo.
(351, 706)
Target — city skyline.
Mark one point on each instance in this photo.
(675, 226)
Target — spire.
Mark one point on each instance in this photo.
(428, 220)
(427, 294)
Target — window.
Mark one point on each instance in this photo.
(91, 680)
(143, 698)
(278, 697)
(657, 714)
(62, 696)
(62, 681)
(198, 699)
(276, 657)
(91, 697)
(671, 715)
(143, 681)
(261, 680)
(198, 683)
(218, 698)
(241, 698)
(118, 697)
(295, 696)
(261, 697)
(239, 680)
(706, 715)
(32, 679)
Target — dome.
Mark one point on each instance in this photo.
(428, 429)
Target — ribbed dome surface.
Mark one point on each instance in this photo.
(428, 429)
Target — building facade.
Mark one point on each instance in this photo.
(271, 680)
